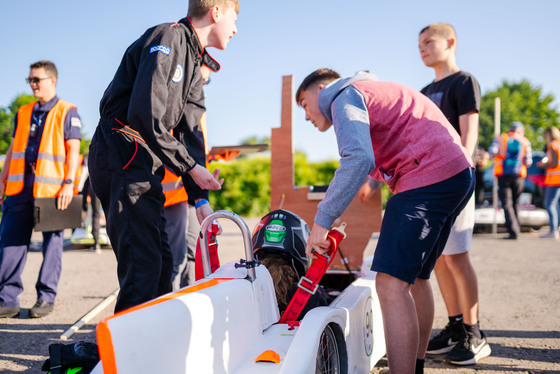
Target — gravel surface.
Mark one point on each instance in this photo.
(519, 284)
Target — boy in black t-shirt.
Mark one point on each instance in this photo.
(457, 94)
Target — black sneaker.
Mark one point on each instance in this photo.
(41, 309)
(470, 350)
(446, 339)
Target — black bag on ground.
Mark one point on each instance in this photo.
(79, 357)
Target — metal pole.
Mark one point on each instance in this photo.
(495, 187)
(89, 315)
(251, 274)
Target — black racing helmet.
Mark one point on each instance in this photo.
(282, 234)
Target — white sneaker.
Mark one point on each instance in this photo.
(551, 235)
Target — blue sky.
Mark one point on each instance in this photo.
(497, 40)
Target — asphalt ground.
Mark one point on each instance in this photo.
(519, 287)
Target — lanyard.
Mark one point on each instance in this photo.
(36, 120)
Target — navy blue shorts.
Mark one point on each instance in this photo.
(416, 225)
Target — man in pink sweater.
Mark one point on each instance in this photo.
(403, 139)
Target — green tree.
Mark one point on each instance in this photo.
(7, 116)
(519, 102)
(6, 129)
(246, 189)
(256, 140)
(84, 145)
(312, 174)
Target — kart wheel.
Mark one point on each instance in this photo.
(328, 357)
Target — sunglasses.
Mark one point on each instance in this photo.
(35, 80)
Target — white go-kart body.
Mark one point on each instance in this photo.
(227, 322)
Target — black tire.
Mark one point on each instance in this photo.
(328, 355)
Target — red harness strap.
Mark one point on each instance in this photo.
(212, 252)
(308, 284)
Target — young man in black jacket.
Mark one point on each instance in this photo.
(155, 86)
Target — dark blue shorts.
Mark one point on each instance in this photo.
(416, 226)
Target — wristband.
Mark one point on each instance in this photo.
(200, 203)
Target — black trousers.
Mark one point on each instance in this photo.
(510, 188)
(95, 210)
(127, 177)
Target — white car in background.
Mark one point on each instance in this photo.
(532, 216)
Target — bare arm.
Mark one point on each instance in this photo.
(468, 123)
(72, 160)
(553, 159)
(368, 189)
(550, 161)
(317, 241)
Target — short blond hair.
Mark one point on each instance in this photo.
(199, 8)
(553, 132)
(445, 30)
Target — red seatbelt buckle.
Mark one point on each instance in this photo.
(325, 256)
(311, 289)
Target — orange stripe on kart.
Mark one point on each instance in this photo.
(104, 340)
(105, 346)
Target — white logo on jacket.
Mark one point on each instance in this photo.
(75, 122)
(178, 75)
(161, 48)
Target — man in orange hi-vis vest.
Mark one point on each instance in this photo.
(512, 154)
(42, 161)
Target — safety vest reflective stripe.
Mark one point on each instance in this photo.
(48, 157)
(15, 178)
(552, 177)
(50, 169)
(49, 180)
(170, 186)
(17, 155)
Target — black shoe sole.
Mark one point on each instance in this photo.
(34, 315)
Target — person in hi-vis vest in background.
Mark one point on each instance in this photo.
(552, 179)
(512, 154)
(182, 226)
(42, 161)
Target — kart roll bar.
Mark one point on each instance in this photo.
(204, 251)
